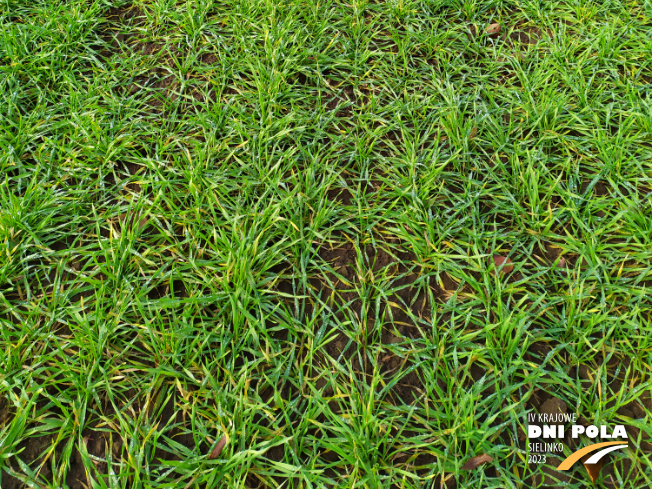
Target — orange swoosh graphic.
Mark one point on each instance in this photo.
(568, 463)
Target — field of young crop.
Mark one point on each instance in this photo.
(323, 243)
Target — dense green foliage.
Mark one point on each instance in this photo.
(277, 221)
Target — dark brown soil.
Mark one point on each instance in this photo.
(100, 442)
(32, 452)
(350, 265)
(178, 430)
